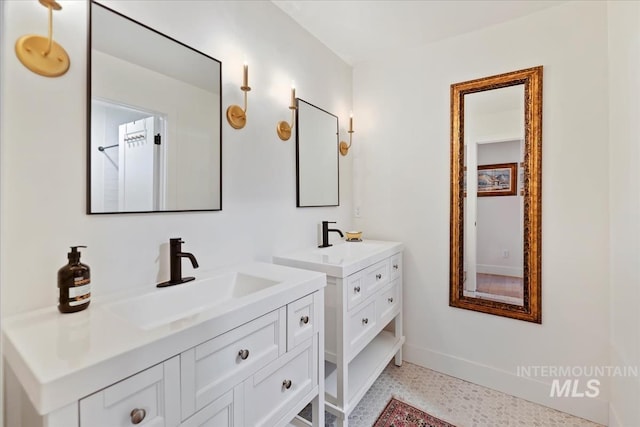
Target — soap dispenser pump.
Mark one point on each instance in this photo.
(74, 283)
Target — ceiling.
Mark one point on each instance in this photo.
(357, 30)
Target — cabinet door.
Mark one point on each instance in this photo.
(375, 277)
(355, 289)
(361, 328)
(301, 320)
(396, 266)
(147, 398)
(389, 302)
(276, 389)
(222, 412)
(213, 367)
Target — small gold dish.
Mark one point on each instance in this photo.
(354, 236)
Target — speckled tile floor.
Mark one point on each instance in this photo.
(456, 401)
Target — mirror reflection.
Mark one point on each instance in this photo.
(316, 156)
(496, 161)
(155, 133)
(493, 210)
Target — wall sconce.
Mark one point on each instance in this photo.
(344, 148)
(284, 128)
(41, 54)
(236, 115)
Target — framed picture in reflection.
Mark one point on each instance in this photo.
(497, 180)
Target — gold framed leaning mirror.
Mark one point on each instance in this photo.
(496, 205)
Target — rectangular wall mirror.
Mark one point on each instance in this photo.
(496, 194)
(316, 156)
(154, 133)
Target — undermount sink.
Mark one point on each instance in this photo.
(341, 259)
(166, 305)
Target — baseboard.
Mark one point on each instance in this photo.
(499, 270)
(593, 409)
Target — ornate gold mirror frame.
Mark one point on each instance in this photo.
(530, 310)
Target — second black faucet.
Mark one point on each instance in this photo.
(325, 233)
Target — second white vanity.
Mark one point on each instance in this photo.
(363, 315)
(241, 347)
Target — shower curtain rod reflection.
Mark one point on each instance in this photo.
(101, 148)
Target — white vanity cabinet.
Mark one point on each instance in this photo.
(149, 398)
(363, 316)
(256, 366)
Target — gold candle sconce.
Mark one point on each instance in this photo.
(284, 129)
(40, 54)
(236, 115)
(344, 148)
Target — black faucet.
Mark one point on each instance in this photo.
(175, 263)
(325, 233)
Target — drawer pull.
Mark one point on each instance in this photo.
(137, 415)
(395, 266)
(304, 319)
(390, 300)
(378, 276)
(286, 384)
(356, 289)
(243, 354)
(365, 321)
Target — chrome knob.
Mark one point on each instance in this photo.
(378, 276)
(356, 289)
(286, 384)
(243, 354)
(304, 319)
(390, 300)
(365, 321)
(137, 415)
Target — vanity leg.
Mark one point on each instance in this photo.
(317, 412)
(398, 334)
(342, 421)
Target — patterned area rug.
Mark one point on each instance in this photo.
(401, 414)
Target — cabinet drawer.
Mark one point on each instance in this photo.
(301, 320)
(213, 367)
(219, 413)
(355, 289)
(376, 276)
(389, 302)
(273, 391)
(361, 325)
(396, 266)
(142, 395)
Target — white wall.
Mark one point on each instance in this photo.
(624, 209)
(401, 175)
(44, 151)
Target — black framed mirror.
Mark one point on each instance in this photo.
(317, 172)
(154, 137)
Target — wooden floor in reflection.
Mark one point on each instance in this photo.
(494, 284)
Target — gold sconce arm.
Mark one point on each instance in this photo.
(236, 115)
(43, 55)
(283, 128)
(344, 148)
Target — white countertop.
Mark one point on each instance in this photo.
(60, 358)
(341, 259)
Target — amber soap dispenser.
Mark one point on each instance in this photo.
(74, 283)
